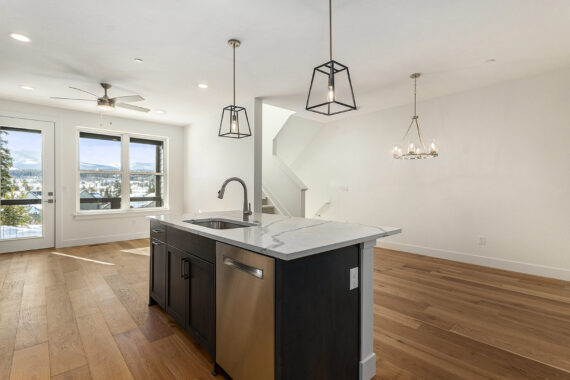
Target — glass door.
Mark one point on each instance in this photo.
(27, 198)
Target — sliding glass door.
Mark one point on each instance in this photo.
(27, 184)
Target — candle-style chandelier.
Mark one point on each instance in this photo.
(414, 151)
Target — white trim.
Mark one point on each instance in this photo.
(125, 173)
(492, 262)
(102, 239)
(58, 123)
(119, 213)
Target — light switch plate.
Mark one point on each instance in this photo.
(353, 278)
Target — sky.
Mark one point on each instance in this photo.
(25, 149)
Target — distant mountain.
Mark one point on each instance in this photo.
(143, 166)
(88, 166)
(26, 159)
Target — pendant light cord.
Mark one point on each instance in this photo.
(234, 49)
(415, 96)
(330, 29)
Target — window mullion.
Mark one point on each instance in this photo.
(125, 167)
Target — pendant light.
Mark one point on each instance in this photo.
(234, 123)
(414, 151)
(330, 91)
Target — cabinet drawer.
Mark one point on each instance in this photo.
(197, 245)
(157, 230)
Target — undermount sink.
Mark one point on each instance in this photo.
(219, 224)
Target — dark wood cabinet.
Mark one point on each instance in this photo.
(176, 293)
(183, 281)
(200, 312)
(157, 281)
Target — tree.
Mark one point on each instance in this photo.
(10, 215)
(15, 215)
(5, 165)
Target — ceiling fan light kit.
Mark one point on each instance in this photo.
(330, 91)
(414, 151)
(234, 123)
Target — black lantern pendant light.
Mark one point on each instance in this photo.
(331, 91)
(234, 123)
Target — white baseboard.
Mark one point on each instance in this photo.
(493, 262)
(102, 239)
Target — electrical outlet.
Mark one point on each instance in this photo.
(482, 240)
(353, 278)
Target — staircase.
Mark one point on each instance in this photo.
(267, 207)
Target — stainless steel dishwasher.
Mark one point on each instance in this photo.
(245, 311)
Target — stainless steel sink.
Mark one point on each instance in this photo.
(219, 224)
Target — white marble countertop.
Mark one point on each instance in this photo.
(279, 236)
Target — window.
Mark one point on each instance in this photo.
(120, 172)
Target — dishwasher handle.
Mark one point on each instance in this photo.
(255, 272)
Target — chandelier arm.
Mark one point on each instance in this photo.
(420, 135)
(407, 132)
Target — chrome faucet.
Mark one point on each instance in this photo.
(246, 206)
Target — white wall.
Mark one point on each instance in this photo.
(71, 230)
(210, 159)
(503, 173)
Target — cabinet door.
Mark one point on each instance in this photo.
(176, 290)
(200, 317)
(158, 272)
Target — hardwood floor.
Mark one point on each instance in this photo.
(439, 319)
(81, 313)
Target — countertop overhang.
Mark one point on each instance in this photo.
(282, 237)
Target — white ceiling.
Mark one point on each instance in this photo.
(182, 43)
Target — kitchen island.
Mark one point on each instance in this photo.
(276, 298)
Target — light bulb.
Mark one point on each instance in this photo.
(412, 148)
(397, 151)
(330, 94)
(234, 127)
(432, 148)
(418, 150)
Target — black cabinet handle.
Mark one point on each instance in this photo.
(156, 231)
(186, 273)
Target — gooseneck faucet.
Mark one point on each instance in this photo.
(246, 205)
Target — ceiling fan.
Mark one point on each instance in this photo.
(104, 103)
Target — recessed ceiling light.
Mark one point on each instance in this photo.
(160, 112)
(202, 85)
(138, 60)
(29, 88)
(491, 60)
(20, 37)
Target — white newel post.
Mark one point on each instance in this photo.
(367, 355)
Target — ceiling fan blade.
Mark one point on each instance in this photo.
(87, 100)
(131, 107)
(128, 99)
(87, 92)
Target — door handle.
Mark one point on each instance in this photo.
(50, 201)
(255, 272)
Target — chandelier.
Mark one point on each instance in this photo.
(414, 151)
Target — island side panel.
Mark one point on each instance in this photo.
(317, 317)
(367, 355)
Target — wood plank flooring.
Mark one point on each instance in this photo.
(81, 313)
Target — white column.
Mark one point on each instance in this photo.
(367, 355)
